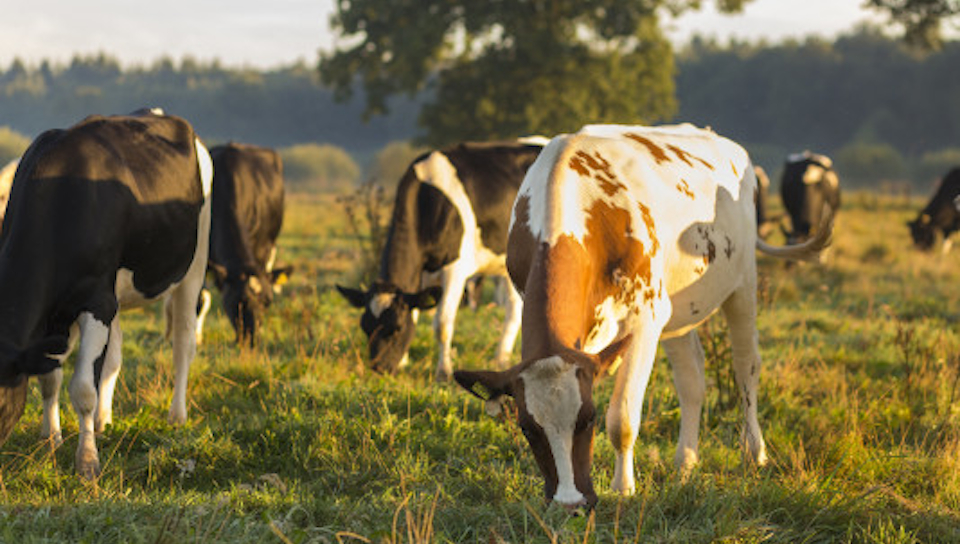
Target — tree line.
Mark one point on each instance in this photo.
(889, 111)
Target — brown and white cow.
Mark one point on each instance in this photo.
(622, 237)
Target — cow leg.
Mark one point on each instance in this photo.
(454, 280)
(182, 313)
(50, 384)
(513, 314)
(687, 361)
(740, 310)
(626, 404)
(94, 336)
(108, 376)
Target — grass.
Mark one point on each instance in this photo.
(295, 442)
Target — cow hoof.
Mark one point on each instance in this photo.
(88, 467)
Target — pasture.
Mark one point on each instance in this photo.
(293, 441)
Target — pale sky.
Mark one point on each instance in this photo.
(268, 34)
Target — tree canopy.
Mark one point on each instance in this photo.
(922, 20)
(503, 68)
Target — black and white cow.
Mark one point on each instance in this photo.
(6, 180)
(111, 213)
(450, 223)
(940, 217)
(246, 220)
(808, 182)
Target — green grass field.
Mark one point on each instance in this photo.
(295, 442)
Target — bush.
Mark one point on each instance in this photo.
(319, 168)
(391, 163)
(867, 164)
(935, 164)
(12, 145)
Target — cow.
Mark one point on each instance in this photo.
(449, 223)
(109, 214)
(6, 181)
(808, 182)
(940, 217)
(246, 219)
(622, 237)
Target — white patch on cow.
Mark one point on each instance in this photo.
(813, 174)
(255, 285)
(380, 302)
(552, 397)
(206, 168)
(534, 139)
(271, 260)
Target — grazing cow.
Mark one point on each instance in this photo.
(246, 220)
(940, 218)
(111, 213)
(808, 182)
(6, 181)
(621, 237)
(450, 222)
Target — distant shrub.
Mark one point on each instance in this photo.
(391, 163)
(12, 145)
(934, 165)
(868, 164)
(319, 168)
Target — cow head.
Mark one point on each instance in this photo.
(555, 411)
(387, 320)
(245, 296)
(923, 233)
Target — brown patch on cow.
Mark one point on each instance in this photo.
(728, 249)
(651, 227)
(693, 309)
(734, 167)
(686, 157)
(599, 169)
(658, 153)
(684, 188)
(521, 244)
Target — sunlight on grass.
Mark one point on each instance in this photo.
(295, 441)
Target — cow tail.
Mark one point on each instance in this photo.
(810, 249)
(13, 399)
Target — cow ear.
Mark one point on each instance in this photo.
(608, 358)
(356, 297)
(486, 385)
(426, 299)
(219, 273)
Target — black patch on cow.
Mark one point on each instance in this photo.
(491, 175)
(108, 193)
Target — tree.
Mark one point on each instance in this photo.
(922, 20)
(504, 68)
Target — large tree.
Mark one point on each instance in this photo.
(922, 20)
(503, 68)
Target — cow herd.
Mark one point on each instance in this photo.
(610, 241)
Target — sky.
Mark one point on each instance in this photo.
(269, 34)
